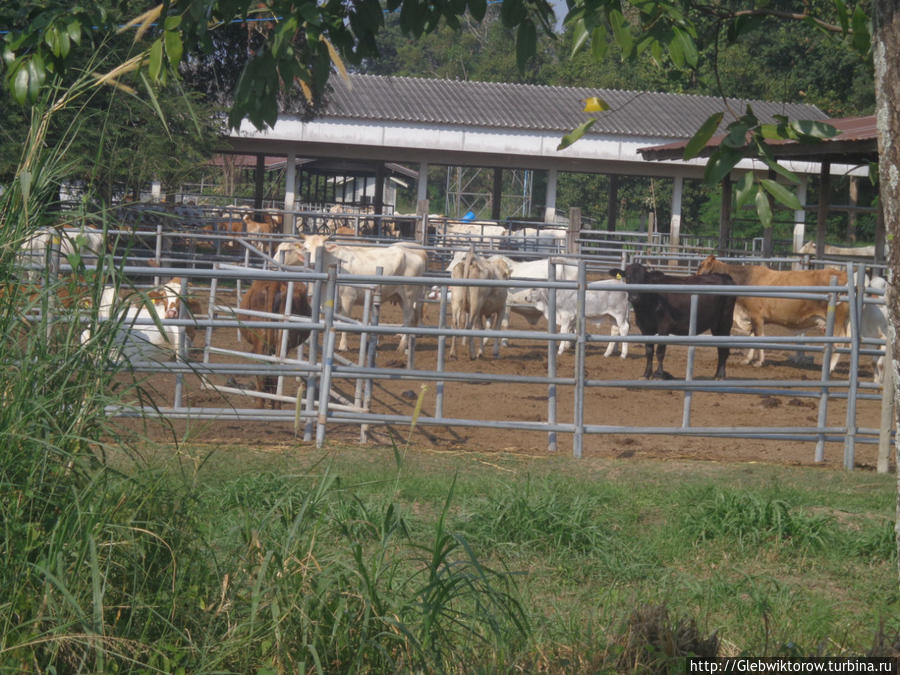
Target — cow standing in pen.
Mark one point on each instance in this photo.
(659, 313)
(271, 297)
(792, 313)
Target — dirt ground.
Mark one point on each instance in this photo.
(604, 406)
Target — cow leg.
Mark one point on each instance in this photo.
(567, 325)
(624, 328)
(842, 330)
(759, 329)
(720, 366)
(648, 369)
(661, 373)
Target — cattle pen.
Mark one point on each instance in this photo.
(321, 388)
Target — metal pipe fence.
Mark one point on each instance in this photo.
(318, 401)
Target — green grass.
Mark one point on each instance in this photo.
(525, 563)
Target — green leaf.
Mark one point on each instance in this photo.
(526, 43)
(763, 208)
(813, 129)
(686, 46)
(621, 32)
(74, 30)
(172, 22)
(720, 164)
(19, 83)
(599, 43)
(843, 16)
(579, 37)
(36, 76)
(65, 44)
(512, 12)
(861, 38)
(156, 60)
(781, 193)
(51, 39)
(744, 189)
(155, 103)
(575, 134)
(701, 138)
(173, 46)
(676, 52)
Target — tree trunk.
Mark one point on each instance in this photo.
(886, 55)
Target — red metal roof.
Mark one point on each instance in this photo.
(857, 143)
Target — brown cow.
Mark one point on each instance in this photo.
(787, 312)
(271, 296)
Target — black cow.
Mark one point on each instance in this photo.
(670, 313)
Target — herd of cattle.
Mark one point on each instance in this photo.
(143, 337)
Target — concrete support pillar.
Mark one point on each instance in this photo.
(822, 214)
(422, 185)
(675, 224)
(550, 206)
(156, 191)
(800, 215)
(290, 191)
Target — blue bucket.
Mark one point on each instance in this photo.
(469, 216)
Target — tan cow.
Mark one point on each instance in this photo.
(405, 259)
(790, 313)
(485, 305)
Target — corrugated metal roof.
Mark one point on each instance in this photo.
(533, 107)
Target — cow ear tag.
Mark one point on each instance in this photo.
(619, 277)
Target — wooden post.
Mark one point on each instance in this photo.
(497, 194)
(260, 182)
(574, 230)
(612, 203)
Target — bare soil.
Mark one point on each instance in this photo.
(617, 406)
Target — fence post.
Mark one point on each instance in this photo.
(580, 347)
(181, 347)
(855, 287)
(889, 382)
(316, 306)
(441, 353)
(551, 356)
(826, 361)
(689, 371)
(370, 357)
(327, 355)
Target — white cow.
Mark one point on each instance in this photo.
(138, 337)
(405, 259)
(598, 303)
(873, 323)
(862, 251)
(87, 241)
(517, 299)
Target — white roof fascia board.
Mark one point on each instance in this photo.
(537, 149)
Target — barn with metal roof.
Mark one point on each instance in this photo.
(419, 121)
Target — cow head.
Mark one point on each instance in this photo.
(167, 300)
(708, 265)
(635, 273)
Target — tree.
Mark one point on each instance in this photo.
(301, 42)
